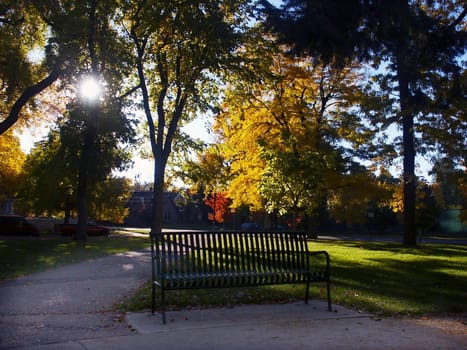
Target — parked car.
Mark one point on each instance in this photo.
(17, 225)
(91, 230)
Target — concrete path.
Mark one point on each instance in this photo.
(71, 308)
(70, 303)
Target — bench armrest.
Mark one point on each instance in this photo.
(317, 252)
(326, 254)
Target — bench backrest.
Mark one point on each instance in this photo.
(231, 253)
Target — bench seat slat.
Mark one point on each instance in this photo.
(284, 276)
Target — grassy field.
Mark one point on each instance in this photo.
(388, 278)
(383, 278)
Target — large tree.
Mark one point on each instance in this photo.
(420, 44)
(51, 172)
(180, 50)
(283, 137)
(62, 42)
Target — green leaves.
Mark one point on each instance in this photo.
(293, 181)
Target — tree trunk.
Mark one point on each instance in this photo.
(86, 156)
(66, 219)
(158, 196)
(409, 191)
(408, 143)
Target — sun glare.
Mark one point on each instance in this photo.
(89, 89)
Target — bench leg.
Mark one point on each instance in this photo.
(307, 292)
(328, 287)
(163, 305)
(153, 303)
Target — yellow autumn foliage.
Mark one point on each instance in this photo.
(11, 163)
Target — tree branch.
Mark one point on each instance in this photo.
(128, 93)
(460, 18)
(27, 94)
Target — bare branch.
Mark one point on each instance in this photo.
(460, 18)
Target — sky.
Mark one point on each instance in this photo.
(142, 169)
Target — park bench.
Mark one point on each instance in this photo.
(198, 260)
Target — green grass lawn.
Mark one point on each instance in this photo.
(22, 256)
(383, 278)
(388, 278)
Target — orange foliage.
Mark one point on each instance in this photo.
(219, 204)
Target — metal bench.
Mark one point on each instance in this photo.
(198, 260)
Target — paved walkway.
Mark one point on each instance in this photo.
(71, 308)
(70, 303)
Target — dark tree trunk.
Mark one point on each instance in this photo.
(86, 156)
(66, 219)
(158, 196)
(408, 141)
(409, 190)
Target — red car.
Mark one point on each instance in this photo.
(91, 230)
(17, 225)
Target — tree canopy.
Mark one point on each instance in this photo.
(416, 44)
(303, 94)
(292, 139)
(52, 168)
(21, 76)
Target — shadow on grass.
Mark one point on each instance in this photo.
(22, 256)
(392, 279)
(397, 248)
